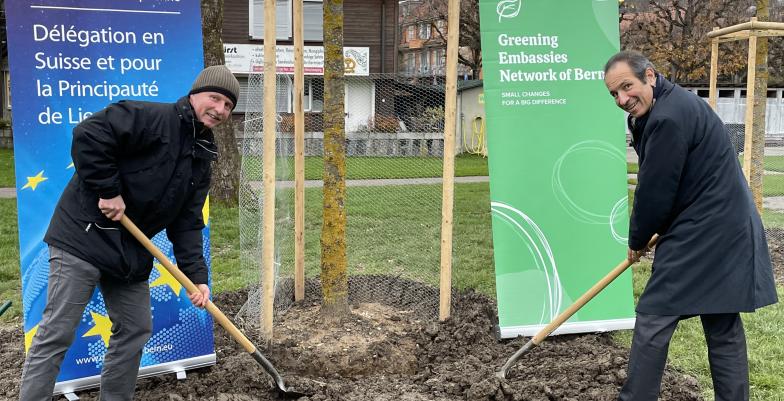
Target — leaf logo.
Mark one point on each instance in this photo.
(508, 8)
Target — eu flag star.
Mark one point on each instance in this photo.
(166, 278)
(32, 182)
(103, 328)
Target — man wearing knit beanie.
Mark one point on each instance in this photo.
(148, 160)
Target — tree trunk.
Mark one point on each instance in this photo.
(760, 105)
(226, 170)
(334, 278)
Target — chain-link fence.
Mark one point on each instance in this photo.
(394, 164)
(773, 196)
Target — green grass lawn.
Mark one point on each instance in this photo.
(773, 185)
(773, 219)
(391, 230)
(10, 284)
(6, 168)
(773, 163)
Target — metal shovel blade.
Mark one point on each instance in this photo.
(280, 385)
(501, 374)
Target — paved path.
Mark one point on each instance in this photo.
(631, 155)
(379, 182)
(7, 192)
(773, 203)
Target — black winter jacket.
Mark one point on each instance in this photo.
(157, 156)
(712, 256)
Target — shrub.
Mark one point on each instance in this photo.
(382, 123)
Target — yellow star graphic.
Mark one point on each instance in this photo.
(103, 328)
(205, 211)
(29, 337)
(166, 279)
(32, 182)
(70, 166)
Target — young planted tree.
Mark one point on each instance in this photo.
(225, 171)
(760, 104)
(334, 276)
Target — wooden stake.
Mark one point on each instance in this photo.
(268, 175)
(450, 120)
(714, 72)
(299, 155)
(749, 121)
(751, 25)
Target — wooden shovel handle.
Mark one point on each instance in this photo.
(587, 296)
(188, 284)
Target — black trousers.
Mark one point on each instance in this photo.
(726, 353)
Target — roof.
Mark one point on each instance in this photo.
(468, 84)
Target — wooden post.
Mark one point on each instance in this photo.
(268, 176)
(714, 72)
(749, 121)
(299, 155)
(447, 200)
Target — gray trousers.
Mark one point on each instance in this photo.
(726, 353)
(71, 285)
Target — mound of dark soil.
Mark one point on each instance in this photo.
(382, 352)
(775, 237)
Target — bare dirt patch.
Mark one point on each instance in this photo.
(775, 237)
(383, 351)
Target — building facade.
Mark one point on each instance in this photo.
(422, 41)
(369, 38)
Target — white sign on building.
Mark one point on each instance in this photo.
(245, 59)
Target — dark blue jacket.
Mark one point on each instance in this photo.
(712, 256)
(157, 156)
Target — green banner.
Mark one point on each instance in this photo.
(556, 145)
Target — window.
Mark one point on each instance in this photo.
(436, 61)
(410, 63)
(424, 31)
(314, 94)
(242, 102)
(284, 87)
(411, 32)
(423, 64)
(441, 57)
(283, 18)
(8, 90)
(726, 93)
(441, 25)
(313, 20)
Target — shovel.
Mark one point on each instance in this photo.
(6, 305)
(571, 310)
(211, 308)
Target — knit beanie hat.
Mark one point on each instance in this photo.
(217, 78)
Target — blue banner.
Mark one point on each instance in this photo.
(69, 59)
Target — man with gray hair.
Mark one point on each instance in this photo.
(712, 258)
(151, 160)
